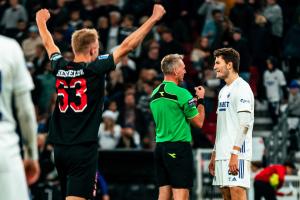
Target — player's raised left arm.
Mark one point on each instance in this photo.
(42, 16)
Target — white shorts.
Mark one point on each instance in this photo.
(13, 184)
(224, 179)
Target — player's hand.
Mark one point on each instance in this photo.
(32, 171)
(42, 15)
(211, 166)
(233, 164)
(158, 12)
(289, 193)
(105, 197)
(200, 91)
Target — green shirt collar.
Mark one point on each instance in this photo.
(169, 82)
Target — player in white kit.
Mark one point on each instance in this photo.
(230, 160)
(16, 83)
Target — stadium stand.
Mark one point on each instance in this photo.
(258, 29)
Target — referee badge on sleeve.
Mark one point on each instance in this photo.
(192, 102)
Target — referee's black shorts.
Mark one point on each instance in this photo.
(76, 166)
(174, 164)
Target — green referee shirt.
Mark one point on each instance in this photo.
(172, 107)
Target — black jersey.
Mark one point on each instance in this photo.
(80, 92)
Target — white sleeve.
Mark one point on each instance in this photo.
(28, 124)
(281, 79)
(217, 111)
(23, 81)
(244, 123)
(265, 79)
(22, 85)
(244, 100)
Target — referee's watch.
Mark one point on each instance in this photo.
(235, 152)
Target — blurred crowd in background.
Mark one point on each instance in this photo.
(264, 32)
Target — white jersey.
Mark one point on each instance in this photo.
(14, 79)
(233, 98)
(273, 82)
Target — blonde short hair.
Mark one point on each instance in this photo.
(82, 39)
(169, 62)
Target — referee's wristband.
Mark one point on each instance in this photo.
(200, 101)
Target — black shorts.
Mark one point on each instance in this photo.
(174, 164)
(76, 166)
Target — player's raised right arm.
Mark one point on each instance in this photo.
(134, 39)
(42, 17)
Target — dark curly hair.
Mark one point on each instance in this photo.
(229, 55)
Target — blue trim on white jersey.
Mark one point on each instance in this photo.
(243, 148)
(241, 169)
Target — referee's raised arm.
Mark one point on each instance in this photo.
(198, 120)
(134, 39)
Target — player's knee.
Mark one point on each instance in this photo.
(225, 190)
(180, 194)
(165, 193)
(74, 198)
(238, 189)
(238, 193)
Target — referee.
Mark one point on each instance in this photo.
(173, 109)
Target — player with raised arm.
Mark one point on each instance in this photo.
(230, 160)
(80, 89)
(16, 83)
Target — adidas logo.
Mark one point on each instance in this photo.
(232, 179)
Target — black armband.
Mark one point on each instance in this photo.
(200, 101)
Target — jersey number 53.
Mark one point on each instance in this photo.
(61, 86)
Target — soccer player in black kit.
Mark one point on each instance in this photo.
(80, 91)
